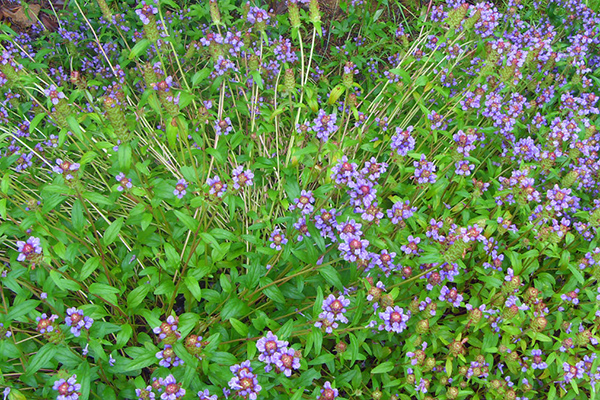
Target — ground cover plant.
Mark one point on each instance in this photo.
(388, 201)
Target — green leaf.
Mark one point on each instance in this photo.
(62, 283)
(41, 359)
(89, 267)
(74, 125)
(194, 287)
(124, 156)
(123, 336)
(272, 292)
(142, 360)
(286, 330)
(139, 48)
(107, 292)
(35, 121)
(19, 310)
(576, 273)
(77, 215)
(332, 276)
(383, 367)
(112, 231)
(234, 308)
(317, 306)
(239, 327)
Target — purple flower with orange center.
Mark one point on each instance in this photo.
(67, 389)
(172, 389)
(125, 183)
(244, 381)
(54, 95)
(394, 319)
(77, 321)
(412, 247)
(328, 392)
(269, 346)
(241, 178)
(277, 239)
(30, 247)
(45, 323)
(536, 360)
(217, 188)
(180, 188)
(334, 308)
(353, 248)
(286, 360)
(304, 203)
(65, 168)
(167, 357)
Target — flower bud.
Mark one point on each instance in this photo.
(377, 395)
(456, 16)
(215, 15)
(452, 392)
(348, 76)
(457, 347)
(387, 301)
(539, 324)
(289, 80)
(294, 14)
(429, 364)
(341, 347)
(314, 12)
(423, 326)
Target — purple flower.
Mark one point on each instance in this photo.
(257, 15)
(269, 346)
(125, 183)
(324, 125)
(536, 361)
(353, 248)
(168, 329)
(241, 177)
(300, 226)
(334, 308)
(412, 247)
(145, 12)
(328, 392)
(304, 203)
(77, 321)
(400, 211)
(223, 127)
(424, 171)
(111, 361)
(277, 239)
(180, 188)
(325, 223)
(65, 168)
(373, 169)
(167, 357)
(205, 395)
(145, 394)
(402, 141)
(172, 389)
(344, 171)
(244, 381)
(67, 389)
(464, 168)
(394, 319)
(32, 246)
(451, 296)
(217, 188)
(286, 360)
(54, 95)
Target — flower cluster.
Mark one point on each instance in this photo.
(77, 321)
